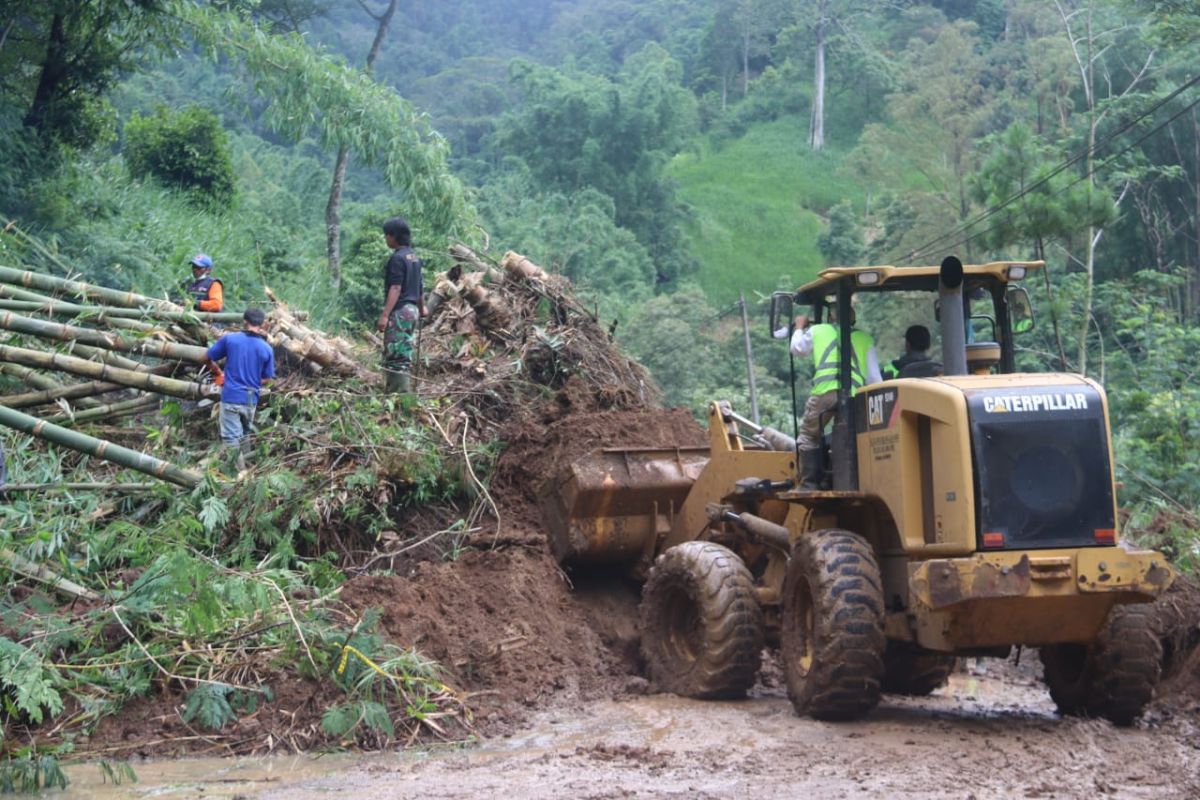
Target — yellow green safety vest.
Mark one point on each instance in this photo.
(825, 358)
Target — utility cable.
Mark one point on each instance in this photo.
(965, 226)
(970, 236)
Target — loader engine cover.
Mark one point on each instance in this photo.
(1043, 475)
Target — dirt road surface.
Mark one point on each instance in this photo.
(992, 733)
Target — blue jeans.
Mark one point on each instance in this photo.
(237, 423)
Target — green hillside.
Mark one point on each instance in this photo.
(752, 200)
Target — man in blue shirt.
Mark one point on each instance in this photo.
(249, 363)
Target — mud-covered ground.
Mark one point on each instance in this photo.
(992, 733)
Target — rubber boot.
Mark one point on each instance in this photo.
(811, 469)
(404, 383)
(391, 381)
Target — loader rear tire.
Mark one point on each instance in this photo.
(702, 627)
(912, 670)
(832, 640)
(1113, 677)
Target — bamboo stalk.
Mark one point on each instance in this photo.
(30, 377)
(521, 268)
(108, 341)
(105, 357)
(99, 448)
(119, 409)
(108, 315)
(99, 371)
(14, 299)
(80, 487)
(24, 566)
(72, 392)
(49, 283)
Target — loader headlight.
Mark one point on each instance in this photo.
(870, 278)
(1016, 272)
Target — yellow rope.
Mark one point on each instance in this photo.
(347, 650)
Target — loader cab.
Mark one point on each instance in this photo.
(978, 309)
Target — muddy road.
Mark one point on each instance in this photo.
(992, 733)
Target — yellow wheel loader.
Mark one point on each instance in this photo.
(965, 512)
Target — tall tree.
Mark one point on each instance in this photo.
(309, 93)
(1036, 204)
(58, 56)
(829, 21)
(576, 130)
(1093, 32)
(929, 145)
(333, 207)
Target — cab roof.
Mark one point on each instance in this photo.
(912, 278)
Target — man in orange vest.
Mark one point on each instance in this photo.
(206, 291)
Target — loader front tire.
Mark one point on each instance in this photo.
(1113, 677)
(832, 641)
(912, 670)
(702, 627)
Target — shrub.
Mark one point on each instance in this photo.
(188, 149)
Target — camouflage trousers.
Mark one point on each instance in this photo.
(398, 338)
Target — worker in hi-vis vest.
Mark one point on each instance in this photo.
(821, 341)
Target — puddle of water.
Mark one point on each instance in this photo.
(202, 777)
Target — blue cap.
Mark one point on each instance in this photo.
(202, 260)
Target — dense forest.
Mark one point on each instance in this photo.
(668, 156)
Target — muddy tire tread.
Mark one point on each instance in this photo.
(1115, 676)
(730, 619)
(844, 682)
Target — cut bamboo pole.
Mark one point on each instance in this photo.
(99, 371)
(90, 353)
(99, 448)
(521, 268)
(119, 488)
(29, 569)
(465, 255)
(49, 283)
(30, 377)
(72, 392)
(108, 341)
(108, 315)
(119, 409)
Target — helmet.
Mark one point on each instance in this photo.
(202, 261)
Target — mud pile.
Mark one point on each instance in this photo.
(1177, 614)
(522, 363)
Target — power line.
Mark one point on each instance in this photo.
(970, 236)
(966, 226)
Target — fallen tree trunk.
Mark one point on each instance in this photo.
(98, 448)
(72, 392)
(100, 371)
(108, 341)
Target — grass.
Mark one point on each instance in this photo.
(756, 203)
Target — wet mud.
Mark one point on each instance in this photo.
(992, 733)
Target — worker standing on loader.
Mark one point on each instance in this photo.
(403, 306)
(249, 364)
(206, 291)
(821, 341)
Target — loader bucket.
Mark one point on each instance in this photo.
(609, 507)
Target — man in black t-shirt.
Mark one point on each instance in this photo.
(403, 306)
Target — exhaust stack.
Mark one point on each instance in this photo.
(954, 338)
